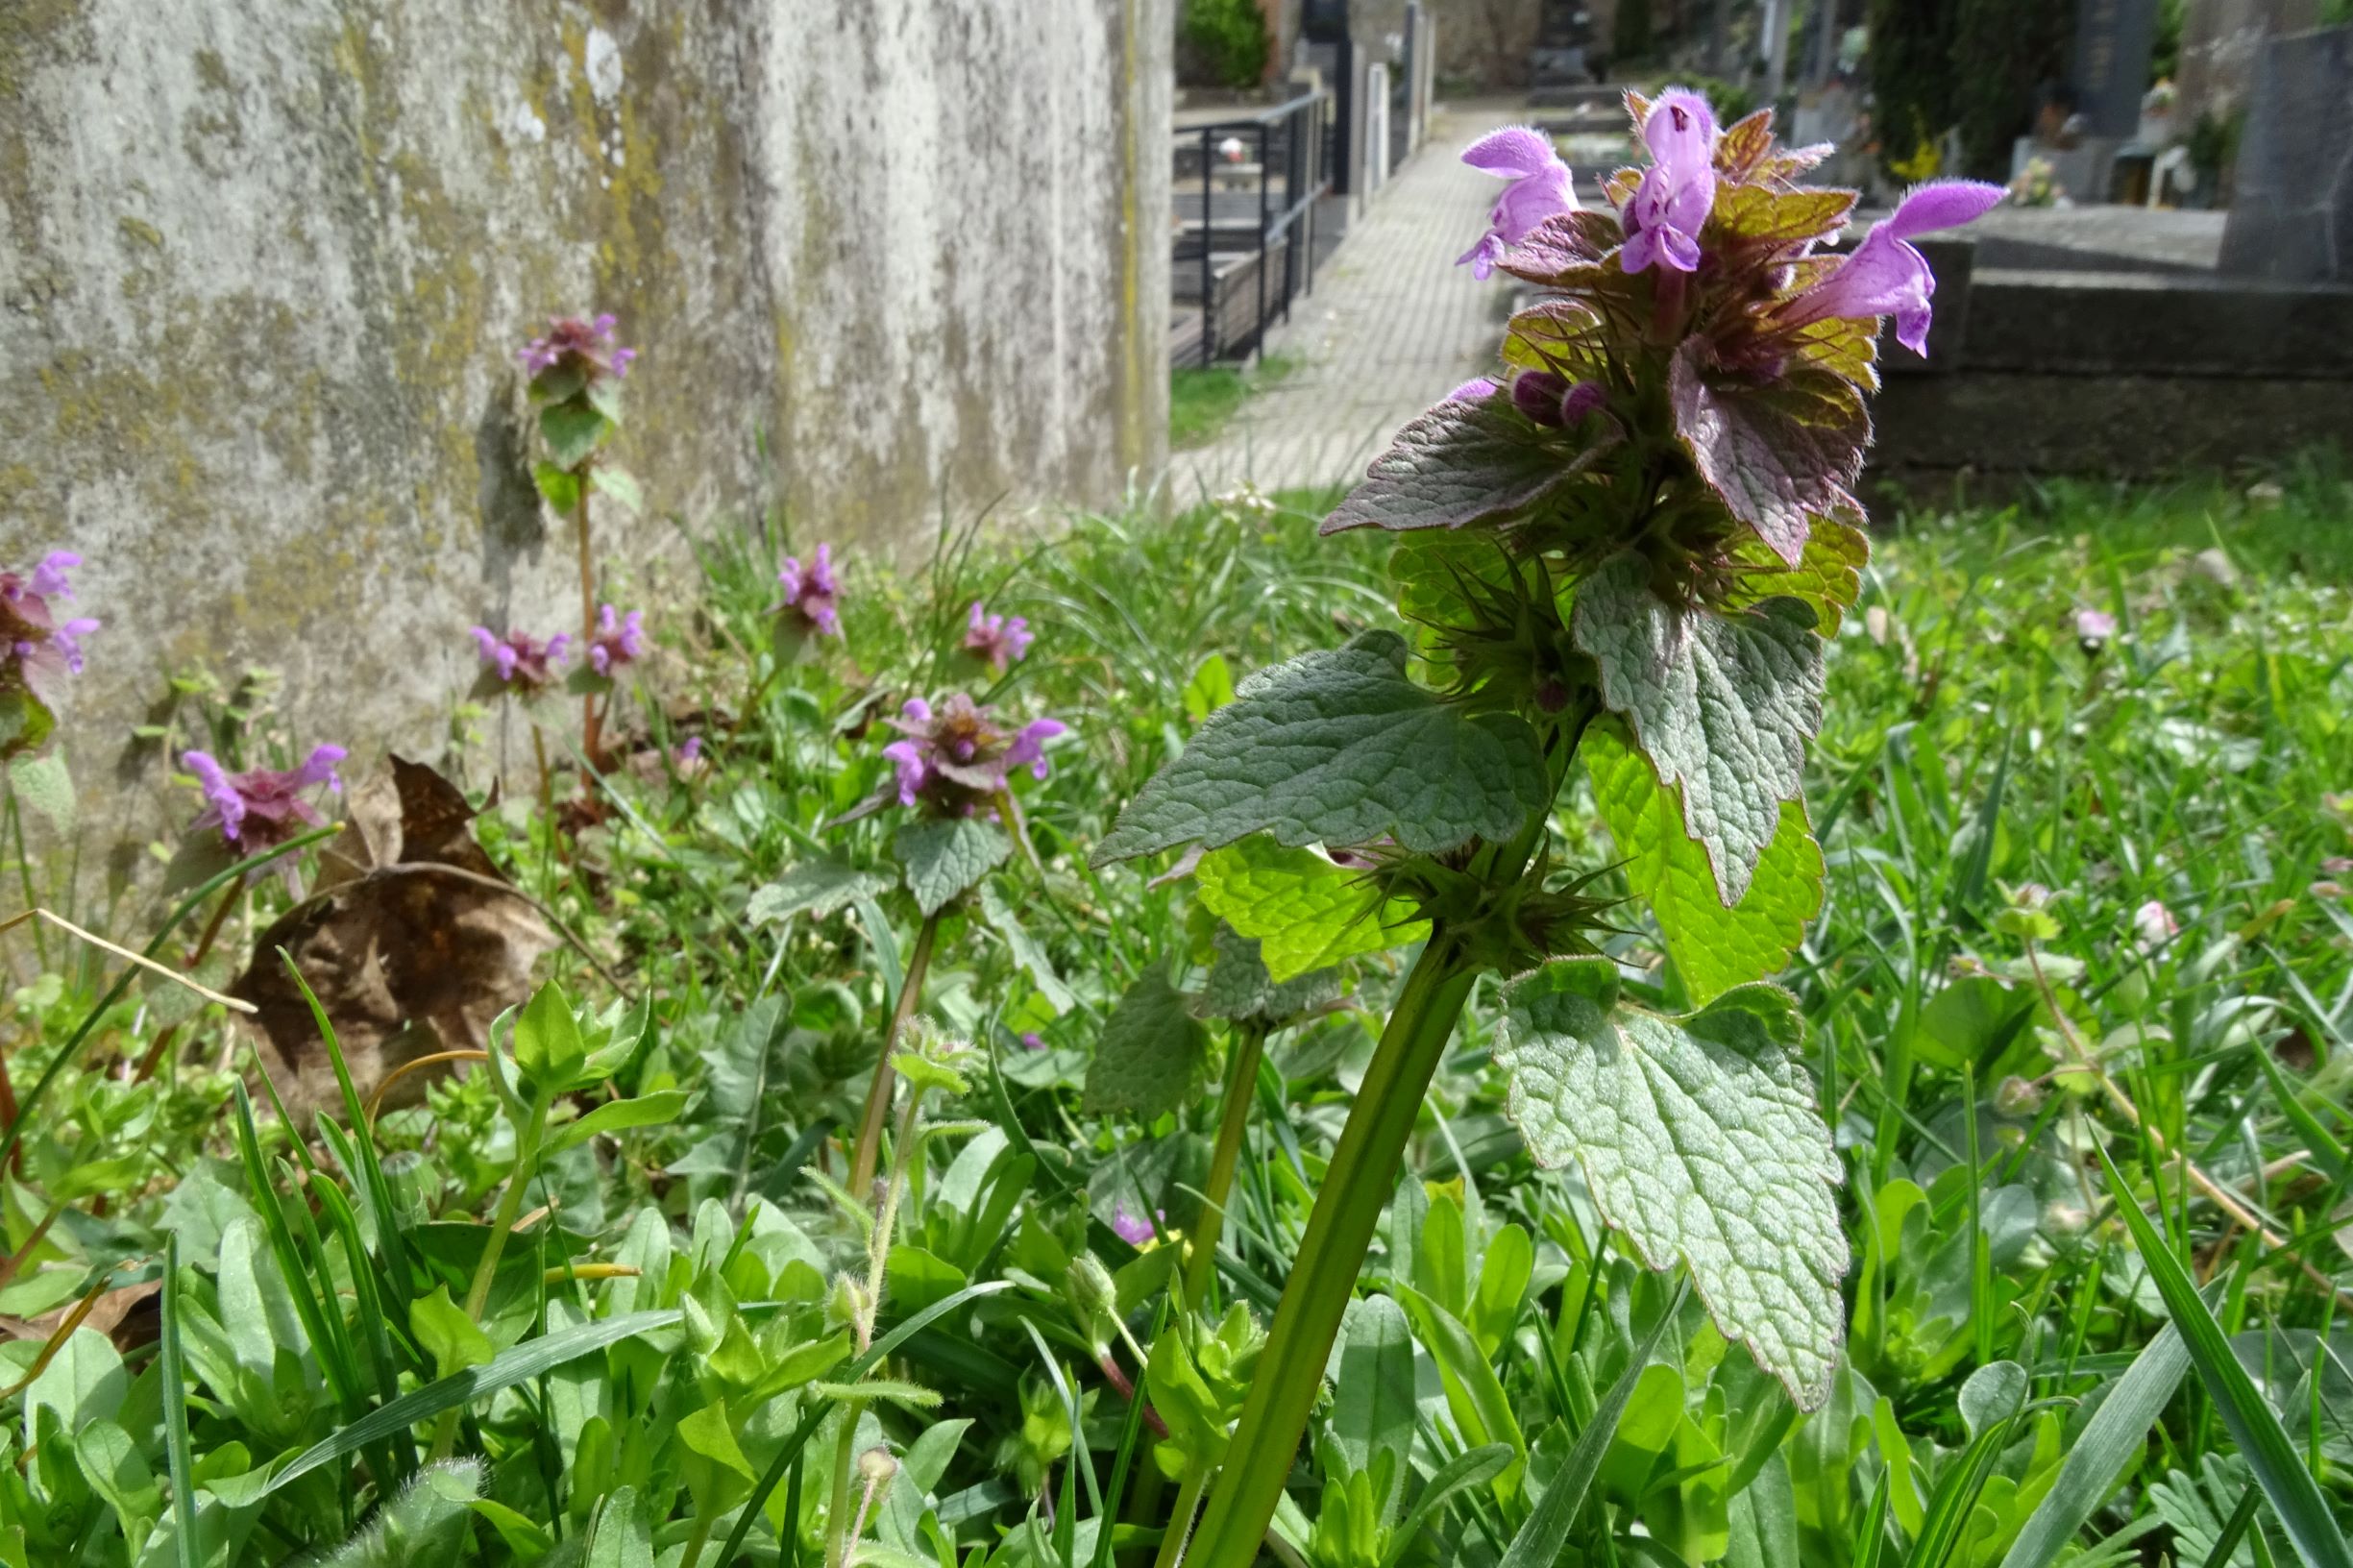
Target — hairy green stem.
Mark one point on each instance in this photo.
(1356, 1190)
(1241, 1081)
(839, 1537)
(1174, 1538)
(501, 1222)
(878, 1092)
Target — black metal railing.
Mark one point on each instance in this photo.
(1245, 245)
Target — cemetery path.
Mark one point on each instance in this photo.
(1392, 326)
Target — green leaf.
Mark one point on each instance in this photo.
(1151, 1057)
(651, 1110)
(573, 431)
(620, 484)
(2253, 1425)
(1474, 1394)
(1211, 688)
(1699, 1138)
(943, 857)
(1537, 1542)
(817, 887)
(547, 1042)
(25, 721)
(1460, 462)
(520, 1365)
(1340, 748)
(1305, 913)
(716, 1470)
(558, 487)
(1373, 1400)
(1828, 576)
(42, 785)
(1027, 951)
(1239, 986)
(1722, 704)
(446, 1333)
(2114, 1437)
(1780, 453)
(1472, 1467)
(1714, 947)
(624, 1537)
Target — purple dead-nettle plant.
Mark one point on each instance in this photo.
(619, 639)
(1624, 554)
(575, 372)
(40, 648)
(996, 641)
(953, 765)
(811, 605)
(521, 664)
(262, 807)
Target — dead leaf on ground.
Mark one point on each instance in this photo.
(414, 941)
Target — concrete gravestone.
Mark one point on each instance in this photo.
(2292, 216)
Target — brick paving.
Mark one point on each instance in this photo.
(1392, 326)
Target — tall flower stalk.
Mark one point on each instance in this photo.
(1623, 553)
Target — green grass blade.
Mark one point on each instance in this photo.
(1470, 1468)
(2110, 1442)
(851, 1373)
(2242, 1516)
(1546, 1530)
(520, 1365)
(2253, 1425)
(176, 1414)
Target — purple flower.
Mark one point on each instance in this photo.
(1032, 1040)
(619, 640)
(994, 640)
(1477, 389)
(954, 760)
(264, 807)
(691, 752)
(1132, 1229)
(810, 593)
(588, 347)
(35, 648)
(1887, 276)
(1538, 187)
(2154, 925)
(1670, 204)
(525, 664)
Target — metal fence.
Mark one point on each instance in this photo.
(1245, 243)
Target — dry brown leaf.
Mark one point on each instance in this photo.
(414, 941)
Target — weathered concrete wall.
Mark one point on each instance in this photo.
(265, 266)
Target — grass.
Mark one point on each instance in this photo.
(2082, 897)
(1204, 399)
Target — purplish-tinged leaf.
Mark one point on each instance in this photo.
(1305, 913)
(1340, 747)
(1715, 948)
(1778, 453)
(1722, 704)
(1460, 462)
(1829, 575)
(1699, 1138)
(943, 856)
(1150, 1058)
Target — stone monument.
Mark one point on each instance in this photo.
(2291, 218)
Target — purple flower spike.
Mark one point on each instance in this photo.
(1887, 276)
(618, 641)
(810, 594)
(1670, 206)
(48, 578)
(1132, 1229)
(263, 807)
(1540, 187)
(954, 761)
(587, 347)
(524, 665)
(36, 649)
(994, 640)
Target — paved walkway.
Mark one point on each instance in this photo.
(1393, 325)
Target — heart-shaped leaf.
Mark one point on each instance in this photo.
(1340, 748)
(1150, 1058)
(1699, 1138)
(943, 857)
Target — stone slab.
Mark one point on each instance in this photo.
(2291, 208)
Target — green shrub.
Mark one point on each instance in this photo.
(1226, 39)
(1630, 36)
(2003, 50)
(1911, 73)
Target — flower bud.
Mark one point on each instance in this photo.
(1538, 394)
